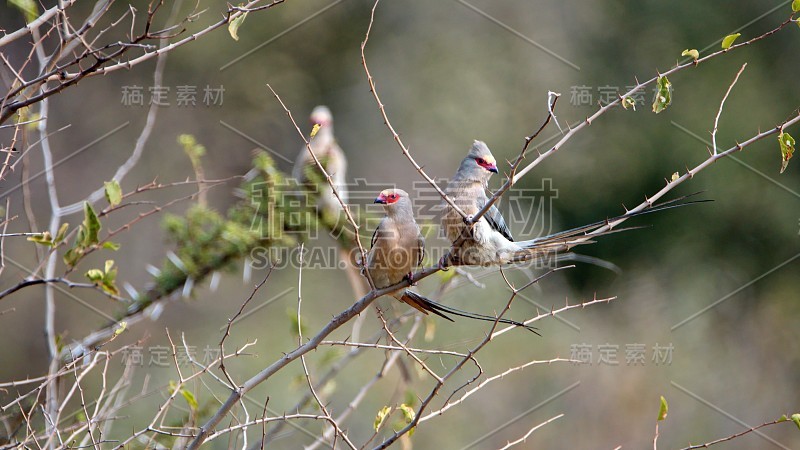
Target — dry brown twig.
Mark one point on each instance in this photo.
(528, 434)
(739, 434)
(99, 59)
(231, 321)
(334, 424)
(330, 182)
(388, 124)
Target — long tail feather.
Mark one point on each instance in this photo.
(669, 204)
(543, 247)
(421, 304)
(436, 308)
(586, 259)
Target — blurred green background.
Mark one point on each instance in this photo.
(450, 72)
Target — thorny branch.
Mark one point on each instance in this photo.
(100, 59)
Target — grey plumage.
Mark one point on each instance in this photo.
(398, 249)
(333, 159)
(489, 241)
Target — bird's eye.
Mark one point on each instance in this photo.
(393, 196)
(480, 161)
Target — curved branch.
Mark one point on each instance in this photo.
(639, 87)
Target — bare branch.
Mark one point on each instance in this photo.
(721, 104)
(386, 121)
(734, 436)
(523, 438)
(640, 86)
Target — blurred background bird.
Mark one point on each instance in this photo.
(331, 157)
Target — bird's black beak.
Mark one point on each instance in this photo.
(381, 199)
(492, 169)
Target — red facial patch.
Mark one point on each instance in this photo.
(391, 198)
(486, 164)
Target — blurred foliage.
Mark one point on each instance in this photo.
(269, 215)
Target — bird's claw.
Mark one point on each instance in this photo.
(410, 278)
(468, 218)
(444, 263)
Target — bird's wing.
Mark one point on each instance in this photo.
(421, 247)
(495, 219)
(375, 236)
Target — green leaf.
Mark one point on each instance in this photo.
(381, 417)
(796, 419)
(729, 39)
(42, 238)
(91, 226)
(628, 102)
(113, 192)
(408, 412)
(662, 411)
(190, 399)
(663, 95)
(787, 149)
(110, 245)
(72, 256)
(796, 5)
(693, 53)
(233, 27)
(111, 276)
(62, 233)
(95, 275)
(27, 7)
(105, 278)
(191, 147)
(110, 288)
(121, 328)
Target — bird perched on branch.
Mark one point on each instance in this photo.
(398, 249)
(488, 241)
(332, 158)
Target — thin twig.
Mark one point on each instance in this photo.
(332, 185)
(721, 105)
(523, 438)
(734, 436)
(386, 121)
(640, 86)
